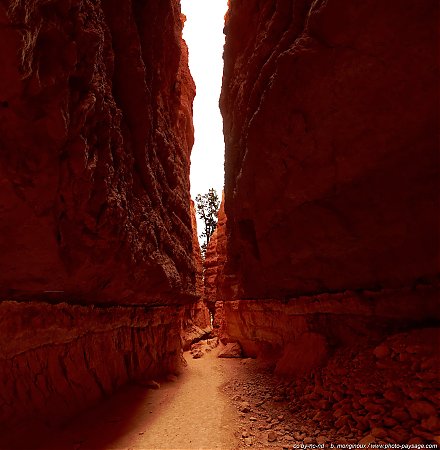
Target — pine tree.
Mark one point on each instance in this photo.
(207, 210)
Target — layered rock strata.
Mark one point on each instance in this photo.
(95, 223)
(300, 334)
(57, 359)
(331, 131)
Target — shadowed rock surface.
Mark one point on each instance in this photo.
(196, 321)
(330, 115)
(57, 359)
(96, 132)
(324, 264)
(331, 129)
(95, 135)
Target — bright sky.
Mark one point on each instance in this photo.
(203, 32)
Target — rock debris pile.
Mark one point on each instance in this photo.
(199, 349)
(384, 394)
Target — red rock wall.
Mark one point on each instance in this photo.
(300, 334)
(61, 358)
(96, 132)
(199, 311)
(330, 115)
(219, 286)
(215, 258)
(196, 321)
(331, 128)
(200, 287)
(95, 138)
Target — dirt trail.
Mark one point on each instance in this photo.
(239, 403)
(195, 414)
(190, 413)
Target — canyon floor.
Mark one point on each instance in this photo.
(234, 403)
(207, 407)
(191, 412)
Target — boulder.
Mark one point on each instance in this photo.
(231, 350)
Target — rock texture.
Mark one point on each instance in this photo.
(300, 334)
(355, 399)
(200, 286)
(331, 129)
(58, 359)
(213, 265)
(96, 238)
(96, 132)
(231, 350)
(215, 259)
(218, 286)
(196, 322)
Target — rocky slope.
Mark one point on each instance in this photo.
(355, 399)
(331, 132)
(96, 250)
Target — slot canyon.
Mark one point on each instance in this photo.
(312, 321)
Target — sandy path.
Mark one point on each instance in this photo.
(196, 415)
(190, 413)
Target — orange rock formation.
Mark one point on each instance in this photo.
(95, 224)
(331, 168)
(330, 115)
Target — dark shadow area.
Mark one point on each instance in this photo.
(132, 410)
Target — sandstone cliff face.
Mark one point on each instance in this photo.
(215, 258)
(330, 118)
(196, 322)
(200, 287)
(199, 311)
(96, 132)
(57, 359)
(218, 285)
(300, 334)
(95, 138)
